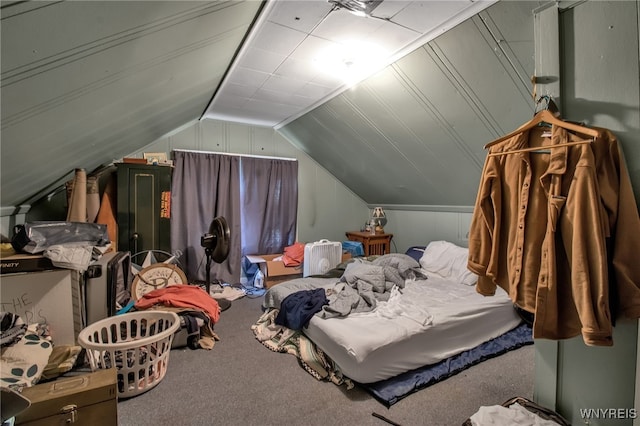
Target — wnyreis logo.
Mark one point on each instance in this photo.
(608, 413)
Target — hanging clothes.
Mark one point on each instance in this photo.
(542, 228)
(524, 203)
(622, 221)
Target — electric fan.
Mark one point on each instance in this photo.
(321, 256)
(216, 247)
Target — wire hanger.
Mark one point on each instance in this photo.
(539, 149)
(546, 116)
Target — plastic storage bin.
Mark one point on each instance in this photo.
(137, 344)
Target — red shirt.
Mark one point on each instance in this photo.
(182, 296)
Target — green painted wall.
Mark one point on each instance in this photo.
(600, 86)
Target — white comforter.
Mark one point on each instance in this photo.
(421, 322)
(429, 321)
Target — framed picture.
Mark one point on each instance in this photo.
(155, 157)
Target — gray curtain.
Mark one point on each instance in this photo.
(269, 204)
(204, 186)
(257, 196)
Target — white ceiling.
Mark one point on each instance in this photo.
(275, 77)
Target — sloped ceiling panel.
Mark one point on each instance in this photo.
(414, 133)
(107, 82)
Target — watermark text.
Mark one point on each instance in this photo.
(608, 413)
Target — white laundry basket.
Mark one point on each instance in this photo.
(137, 343)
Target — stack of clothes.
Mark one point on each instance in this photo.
(198, 311)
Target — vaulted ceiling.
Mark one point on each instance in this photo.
(302, 53)
(86, 82)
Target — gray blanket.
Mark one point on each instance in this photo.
(363, 284)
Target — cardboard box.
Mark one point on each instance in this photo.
(274, 270)
(88, 399)
(24, 263)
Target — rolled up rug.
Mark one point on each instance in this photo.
(77, 210)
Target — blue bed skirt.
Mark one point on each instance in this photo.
(392, 390)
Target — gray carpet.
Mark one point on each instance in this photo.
(240, 382)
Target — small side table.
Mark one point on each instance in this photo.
(373, 244)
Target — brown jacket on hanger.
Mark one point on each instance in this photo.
(619, 207)
(541, 228)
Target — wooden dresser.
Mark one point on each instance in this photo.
(373, 244)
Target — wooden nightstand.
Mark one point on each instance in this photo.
(373, 244)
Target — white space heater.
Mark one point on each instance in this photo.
(321, 256)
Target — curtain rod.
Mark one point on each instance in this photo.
(236, 155)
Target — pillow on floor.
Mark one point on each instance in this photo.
(22, 364)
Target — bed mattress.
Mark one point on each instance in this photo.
(430, 320)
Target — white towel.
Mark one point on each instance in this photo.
(515, 415)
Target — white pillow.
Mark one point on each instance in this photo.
(449, 261)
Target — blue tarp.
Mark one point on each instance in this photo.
(355, 248)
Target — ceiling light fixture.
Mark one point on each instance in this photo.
(357, 7)
(351, 61)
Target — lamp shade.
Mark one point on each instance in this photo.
(379, 216)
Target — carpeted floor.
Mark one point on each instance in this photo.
(240, 382)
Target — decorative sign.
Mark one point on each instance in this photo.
(165, 205)
(156, 276)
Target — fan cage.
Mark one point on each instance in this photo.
(321, 256)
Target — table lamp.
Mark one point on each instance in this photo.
(380, 219)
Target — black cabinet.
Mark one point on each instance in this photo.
(144, 207)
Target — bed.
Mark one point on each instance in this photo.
(435, 314)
